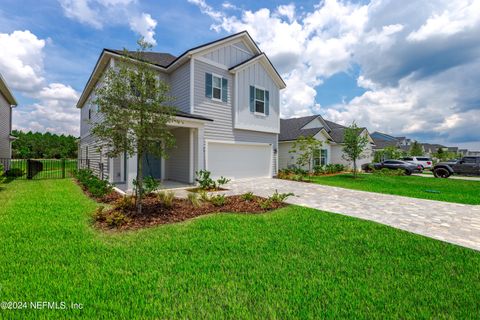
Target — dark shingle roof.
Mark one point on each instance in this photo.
(291, 129)
(182, 114)
(161, 59)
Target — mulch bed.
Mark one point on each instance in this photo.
(155, 213)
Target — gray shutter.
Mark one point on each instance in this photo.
(224, 90)
(267, 103)
(208, 85)
(252, 99)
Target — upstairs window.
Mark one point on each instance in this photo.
(259, 101)
(216, 87)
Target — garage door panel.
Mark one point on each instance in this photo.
(238, 161)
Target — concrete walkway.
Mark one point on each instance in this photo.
(451, 177)
(450, 222)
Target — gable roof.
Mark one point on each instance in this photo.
(292, 129)
(262, 56)
(5, 91)
(165, 61)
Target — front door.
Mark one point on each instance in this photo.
(152, 166)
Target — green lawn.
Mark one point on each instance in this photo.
(450, 190)
(292, 263)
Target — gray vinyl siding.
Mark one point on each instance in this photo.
(222, 113)
(230, 55)
(177, 165)
(180, 87)
(94, 156)
(5, 127)
(256, 75)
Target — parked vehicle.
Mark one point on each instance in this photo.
(425, 162)
(469, 166)
(394, 165)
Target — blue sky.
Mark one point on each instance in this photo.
(408, 69)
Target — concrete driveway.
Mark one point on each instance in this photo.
(450, 222)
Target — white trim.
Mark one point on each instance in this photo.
(243, 50)
(192, 82)
(211, 62)
(255, 128)
(260, 114)
(243, 35)
(192, 155)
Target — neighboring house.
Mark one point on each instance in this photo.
(383, 140)
(228, 98)
(7, 103)
(330, 133)
(430, 149)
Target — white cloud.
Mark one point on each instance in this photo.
(457, 17)
(145, 26)
(22, 65)
(98, 13)
(426, 90)
(21, 60)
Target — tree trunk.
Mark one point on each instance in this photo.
(139, 189)
(354, 168)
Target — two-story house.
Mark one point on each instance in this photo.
(7, 103)
(227, 93)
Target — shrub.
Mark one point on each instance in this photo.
(221, 181)
(284, 174)
(299, 171)
(194, 199)
(204, 196)
(125, 204)
(204, 180)
(218, 200)
(97, 187)
(280, 197)
(248, 196)
(1, 173)
(150, 185)
(318, 170)
(15, 173)
(116, 219)
(166, 198)
(207, 183)
(99, 214)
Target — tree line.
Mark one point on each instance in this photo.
(36, 145)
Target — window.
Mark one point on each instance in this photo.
(316, 158)
(216, 87)
(423, 159)
(408, 159)
(89, 113)
(469, 160)
(259, 100)
(324, 157)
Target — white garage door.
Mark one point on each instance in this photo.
(239, 160)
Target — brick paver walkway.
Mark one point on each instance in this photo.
(450, 222)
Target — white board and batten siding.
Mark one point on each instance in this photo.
(222, 114)
(230, 54)
(5, 128)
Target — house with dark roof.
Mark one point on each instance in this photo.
(331, 135)
(227, 95)
(7, 103)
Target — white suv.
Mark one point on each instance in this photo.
(425, 162)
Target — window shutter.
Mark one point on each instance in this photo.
(326, 155)
(252, 99)
(267, 103)
(224, 90)
(208, 85)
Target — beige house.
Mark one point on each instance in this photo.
(331, 135)
(7, 103)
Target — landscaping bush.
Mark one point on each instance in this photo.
(194, 199)
(218, 200)
(1, 173)
(248, 196)
(126, 203)
(334, 168)
(150, 185)
(14, 173)
(274, 199)
(166, 198)
(97, 187)
(207, 183)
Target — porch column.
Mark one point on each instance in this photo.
(131, 171)
(110, 170)
(200, 149)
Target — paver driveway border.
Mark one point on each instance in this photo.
(450, 222)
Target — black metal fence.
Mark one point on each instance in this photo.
(32, 169)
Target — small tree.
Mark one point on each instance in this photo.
(306, 148)
(354, 144)
(416, 149)
(134, 105)
(389, 152)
